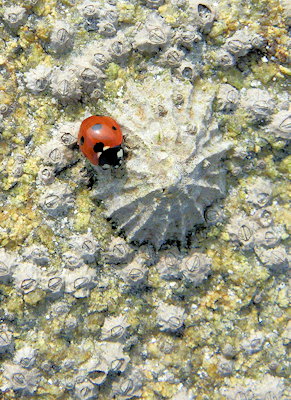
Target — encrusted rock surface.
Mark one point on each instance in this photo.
(166, 278)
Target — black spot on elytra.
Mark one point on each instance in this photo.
(82, 140)
(98, 147)
(114, 128)
(97, 127)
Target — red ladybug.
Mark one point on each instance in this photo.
(100, 140)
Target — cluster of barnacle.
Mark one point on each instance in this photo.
(32, 271)
(238, 45)
(23, 370)
(180, 49)
(257, 232)
(24, 373)
(192, 269)
(261, 109)
(57, 155)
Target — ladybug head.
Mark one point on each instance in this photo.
(111, 157)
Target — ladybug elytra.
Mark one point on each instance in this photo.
(100, 140)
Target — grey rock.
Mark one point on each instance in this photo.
(7, 264)
(46, 175)
(86, 246)
(286, 11)
(119, 48)
(62, 37)
(37, 254)
(79, 282)
(53, 284)
(134, 274)
(118, 252)
(254, 343)
(72, 260)
(276, 259)
(66, 86)
(188, 37)
(38, 79)
(114, 356)
(225, 367)
(184, 394)
(240, 43)
(114, 328)
(227, 98)
(67, 134)
(22, 380)
(267, 388)
(281, 125)
(195, 268)
(224, 59)
(152, 35)
(25, 357)
(170, 318)
(202, 14)
(128, 386)
(258, 103)
(260, 192)
(14, 16)
(57, 199)
(241, 229)
(286, 334)
(267, 237)
(85, 391)
(27, 277)
(6, 340)
(169, 265)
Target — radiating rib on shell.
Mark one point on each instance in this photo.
(173, 170)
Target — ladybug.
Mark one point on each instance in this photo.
(100, 140)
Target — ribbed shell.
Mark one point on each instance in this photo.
(173, 170)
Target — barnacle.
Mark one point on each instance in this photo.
(174, 169)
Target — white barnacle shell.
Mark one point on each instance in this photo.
(173, 170)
